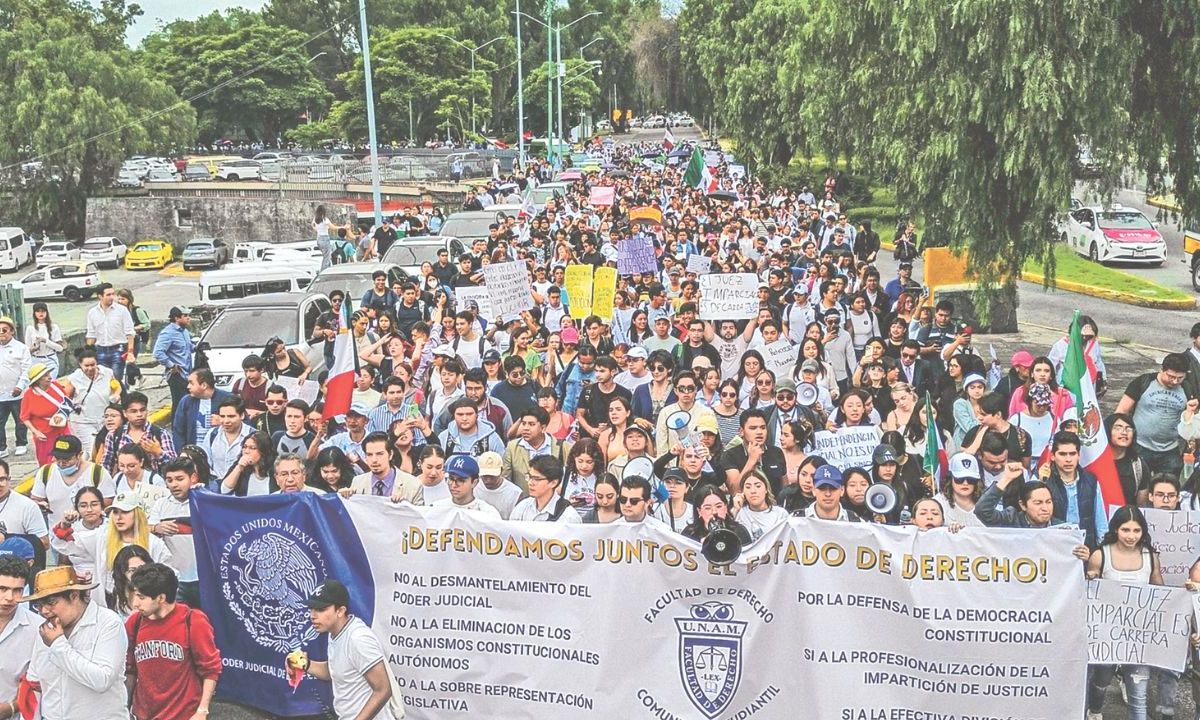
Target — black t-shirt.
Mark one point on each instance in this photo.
(772, 464)
(445, 273)
(687, 354)
(594, 402)
(385, 237)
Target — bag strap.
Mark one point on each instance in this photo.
(95, 475)
(560, 507)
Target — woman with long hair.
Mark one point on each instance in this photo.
(958, 496)
(135, 477)
(797, 497)
(750, 367)
(676, 512)
(431, 462)
(857, 481)
(584, 464)
(611, 438)
(331, 471)
(727, 410)
(282, 362)
(755, 508)
(126, 562)
(87, 516)
(126, 525)
(44, 338)
(711, 503)
(639, 327)
(199, 458)
(401, 442)
(966, 406)
(762, 397)
(650, 398)
(812, 349)
(793, 438)
(1133, 471)
(1125, 555)
(141, 335)
(561, 423)
(1042, 372)
(324, 229)
(606, 509)
(253, 474)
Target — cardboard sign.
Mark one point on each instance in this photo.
(476, 299)
(636, 255)
(780, 358)
(1134, 624)
(508, 286)
(699, 264)
(604, 288)
(847, 447)
(306, 391)
(578, 282)
(602, 196)
(1176, 538)
(731, 296)
(646, 215)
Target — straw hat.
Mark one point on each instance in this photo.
(37, 371)
(55, 580)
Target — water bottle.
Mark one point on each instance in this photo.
(1189, 464)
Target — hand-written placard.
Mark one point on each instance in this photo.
(296, 390)
(475, 299)
(508, 286)
(699, 264)
(578, 282)
(1134, 624)
(847, 447)
(604, 288)
(728, 296)
(780, 358)
(1176, 537)
(602, 196)
(636, 255)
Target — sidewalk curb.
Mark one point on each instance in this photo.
(156, 417)
(1113, 295)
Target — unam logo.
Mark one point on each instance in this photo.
(710, 656)
(269, 568)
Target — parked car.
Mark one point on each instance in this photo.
(56, 251)
(545, 192)
(354, 278)
(162, 175)
(410, 252)
(272, 155)
(196, 172)
(234, 170)
(128, 177)
(149, 255)
(104, 251)
(241, 280)
(1191, 251)
(244, 327)
(70, 281)
(470, 225)
(1114, 234)
(206, 252)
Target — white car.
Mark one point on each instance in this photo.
(162, 175)
(1114, 234)
(103, 251)
(68, 281)
(56, 251)
(129, 177)
(234, 170)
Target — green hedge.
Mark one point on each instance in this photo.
(881, 216)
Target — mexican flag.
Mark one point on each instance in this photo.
(668, 140)
(339, 388)
(935, 462)
(1094, 454)
(697, 175)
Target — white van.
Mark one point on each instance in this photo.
(222, 287)
(15, 251)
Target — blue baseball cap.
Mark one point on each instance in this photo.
(827, 476)
(19, 547)
(462, 466)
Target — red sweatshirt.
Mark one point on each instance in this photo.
(170, 662)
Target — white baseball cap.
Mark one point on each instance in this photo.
(964, 465)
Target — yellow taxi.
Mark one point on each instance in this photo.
(149, 255)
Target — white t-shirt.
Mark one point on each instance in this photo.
(353, 652)
(476, 505)
(503, 498)
(183, 550)
(956, 514)
(662, 511)
(731, 354)
(433, 493)
(22, 516)
(60, 495)
(1039, 429)
(758, 522)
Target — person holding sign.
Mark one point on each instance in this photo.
(1125, 555)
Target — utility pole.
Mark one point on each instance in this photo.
(548, 11)
(520, 94)
(371, 138)
(558, 74)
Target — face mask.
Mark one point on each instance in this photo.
(68, 472)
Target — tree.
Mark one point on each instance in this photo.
(414, 64)
(245, 76)
(579, 93)
(78, 105)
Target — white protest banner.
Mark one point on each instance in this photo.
(306, 391)
(508, 285)
(780, 358)
(1174, 534)
(636, 255)
(847, 447)
(497, 619)
(728, 296)
(477, 297)
(699, 264)
(1134, 624)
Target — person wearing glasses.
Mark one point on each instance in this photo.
(686, 387)
(80, 661)
(961, 490)
(462, 476)
(544, 503)
(289, 474)
(634, 500)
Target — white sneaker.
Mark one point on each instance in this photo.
(3, 452)
(1095, 716)
(21, 450)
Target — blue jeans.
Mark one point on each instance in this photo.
(1169, 462)
(12, 408)
(1167, 682)
(113, 358)
(1137, 684)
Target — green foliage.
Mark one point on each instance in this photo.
(80, 105)
(579, 93)
(262, 79)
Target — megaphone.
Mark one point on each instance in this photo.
(721, 546)
(807, 394)
(642, 467)
(881, 498)
(679, 420)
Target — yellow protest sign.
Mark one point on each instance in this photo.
(578, 282)
(604, 288)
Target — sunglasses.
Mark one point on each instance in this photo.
(729, 394)
(685, 388)
(965, 481)
(658, 367)
(631, 500)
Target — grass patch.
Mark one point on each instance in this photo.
(1072, 267)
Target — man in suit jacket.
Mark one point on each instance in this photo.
(914, 370)
(197, 409)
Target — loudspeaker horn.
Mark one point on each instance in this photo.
(807, 394)
(678, 420)
(721, 546)
(642, 467)
(881, 498)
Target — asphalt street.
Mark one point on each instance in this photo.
(1134, 340)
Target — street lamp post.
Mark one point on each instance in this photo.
(376, 197)
(471, 50)
(559, 76)
(549, 9)
(520, 94)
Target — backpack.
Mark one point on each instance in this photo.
(482, 340)
(44, 474)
